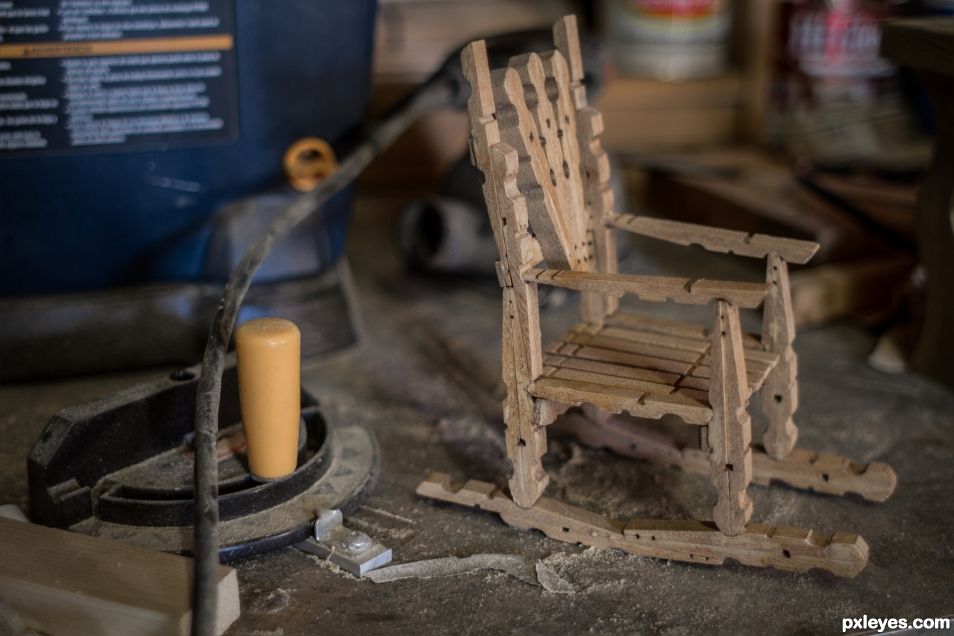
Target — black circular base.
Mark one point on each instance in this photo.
(122, 468)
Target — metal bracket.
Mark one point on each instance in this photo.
(351, 550)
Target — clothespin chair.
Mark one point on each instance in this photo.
(537, 143)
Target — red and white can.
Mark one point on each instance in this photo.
(668, 39)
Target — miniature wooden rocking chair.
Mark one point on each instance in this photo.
(537, 143)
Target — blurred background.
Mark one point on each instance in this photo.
(775, 117)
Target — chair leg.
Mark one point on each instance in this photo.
(526, 445)
(779, 401)
(526, 442)
(780, 390)
(730, 431)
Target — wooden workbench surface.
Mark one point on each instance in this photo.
(425, 381)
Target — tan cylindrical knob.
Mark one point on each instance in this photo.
(268, 352)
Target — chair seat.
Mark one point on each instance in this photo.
(645, 366)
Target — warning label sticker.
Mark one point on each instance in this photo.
(117, 73)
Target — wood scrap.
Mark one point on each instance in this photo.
(62, 582)
(519, 567)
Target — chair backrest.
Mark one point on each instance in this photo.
(536, 106)
(537, 119)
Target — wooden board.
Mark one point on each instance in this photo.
(717, 239)
(925, 44)
(616, 400)
(862, 288)
(413, 37)
(61, 582)
(646, 113)
(624, 348)
(633, 94)
(652, 288)
(751, 192)
(669, 129)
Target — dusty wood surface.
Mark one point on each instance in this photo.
(426, 381)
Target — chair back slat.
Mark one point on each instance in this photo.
(536, 105)
(549, 173)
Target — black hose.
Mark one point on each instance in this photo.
(439, 91)
(447, 88)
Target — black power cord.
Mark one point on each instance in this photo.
(447, 88)
(436, 93)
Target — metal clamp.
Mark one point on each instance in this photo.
(351, 550)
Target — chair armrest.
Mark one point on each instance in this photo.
(653, 288)
(716, 239)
